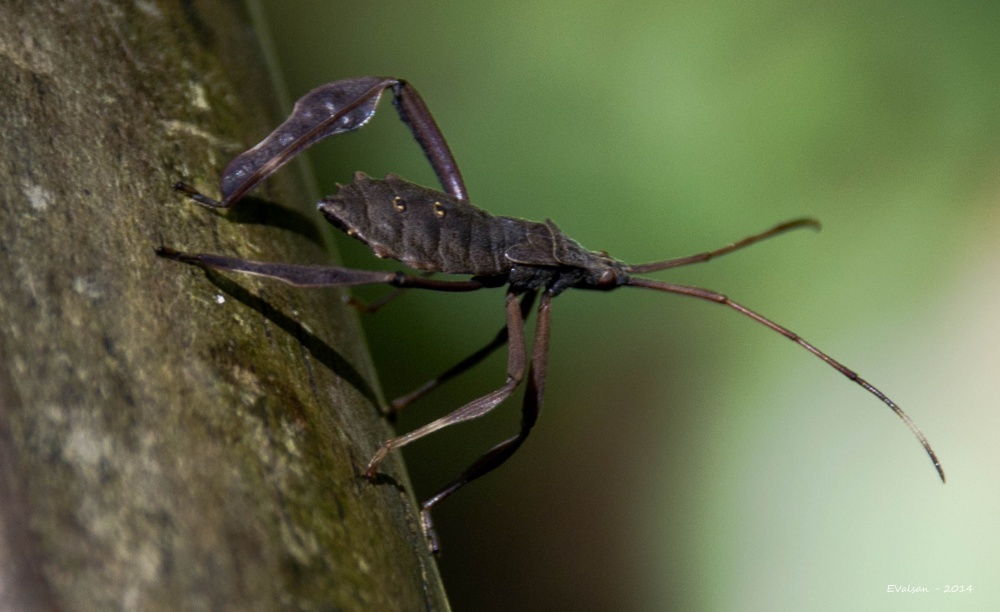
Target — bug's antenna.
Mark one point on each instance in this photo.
(718, 298)
(781, 228)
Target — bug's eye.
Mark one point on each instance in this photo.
(608, 279)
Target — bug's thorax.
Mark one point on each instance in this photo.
(549, 259)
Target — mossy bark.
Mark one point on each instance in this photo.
(170, 438)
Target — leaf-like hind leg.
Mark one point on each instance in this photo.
(428, 135)
(316, 276)
(462, 366)
(497, 455)
(335, 108)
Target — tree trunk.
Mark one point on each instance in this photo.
(170, 438)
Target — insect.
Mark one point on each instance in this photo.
(437, 231)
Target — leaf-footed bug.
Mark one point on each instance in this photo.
(436, 231)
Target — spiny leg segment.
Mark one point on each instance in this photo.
(530, 408)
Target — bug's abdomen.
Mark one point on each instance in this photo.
(423, 228)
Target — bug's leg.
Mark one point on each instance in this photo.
(372, 307)
(418, 118)
(499, 340)
(199, 197)
(475, 408)
(529, 415)
(739, 244)
(334, 108)
(316, 276)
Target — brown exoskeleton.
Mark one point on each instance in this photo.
(438, 231)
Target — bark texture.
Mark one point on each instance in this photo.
(170, 438)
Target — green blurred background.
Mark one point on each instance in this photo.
(686, 457)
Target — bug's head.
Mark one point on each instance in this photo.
(610, 272)
(601, 272)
